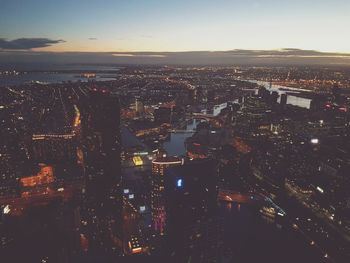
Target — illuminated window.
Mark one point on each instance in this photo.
(179, 183)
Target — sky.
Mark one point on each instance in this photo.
(173, 26)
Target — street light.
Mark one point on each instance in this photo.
(314, 141)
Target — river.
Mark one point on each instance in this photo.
(175, 146)
(249, 238)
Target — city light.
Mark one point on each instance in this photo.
(44, 176)
(179, 183)
(137, 160)
(6, 210)
(107, 149)
(314, 141)
(320, 189)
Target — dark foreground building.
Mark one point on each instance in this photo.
(192, 225)
(101, 215)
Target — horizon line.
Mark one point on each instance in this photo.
(178, 51)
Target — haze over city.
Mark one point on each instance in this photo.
(125, 27)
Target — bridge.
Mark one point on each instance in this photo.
(237, 197)
(181, 131)
(202, 116)
(279, 210)
(214, 120)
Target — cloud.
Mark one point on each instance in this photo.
(283, 53)
(27, 43)
(138, 55)
(236, 57)
(92, 38)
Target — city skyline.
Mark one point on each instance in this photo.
(286, 56)
(175, 131)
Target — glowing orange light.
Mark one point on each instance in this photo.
(44, 176)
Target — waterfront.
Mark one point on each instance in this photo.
(297, 235)
(48, 74)
(175, 146)
(48, 78)
(245, 231)
(291, 99)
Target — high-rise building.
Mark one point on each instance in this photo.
(54, 148)
(283, 100)
(162, 115)
(273, 97)
(100, 122)
(101, 135)
(139, 107)
(192, 225)
(159, 166)
(263, 93)
(192, 95)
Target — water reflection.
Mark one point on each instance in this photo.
(292, 100)
(217, 108)
(48, 78)
(245, 232)
(176, 144)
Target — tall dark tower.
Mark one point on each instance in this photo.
(284, 98)
(105, 127)
(192, 225)
(100, 120)
(274, 97)
(336, 93)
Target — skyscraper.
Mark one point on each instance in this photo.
(159, 165)
(283, 101)
(273, 97)
(101, 136)
(192, 225)
(139, 107)
(100, 117)
(54, 148)
(162, 115)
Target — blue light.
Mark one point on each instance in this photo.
(179, 183)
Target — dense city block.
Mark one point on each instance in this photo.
(178, 164)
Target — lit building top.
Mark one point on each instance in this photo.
(167, 160)
(137, 160)
(52, 136)
(159, 166)
(44, 176)
(160, 163)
